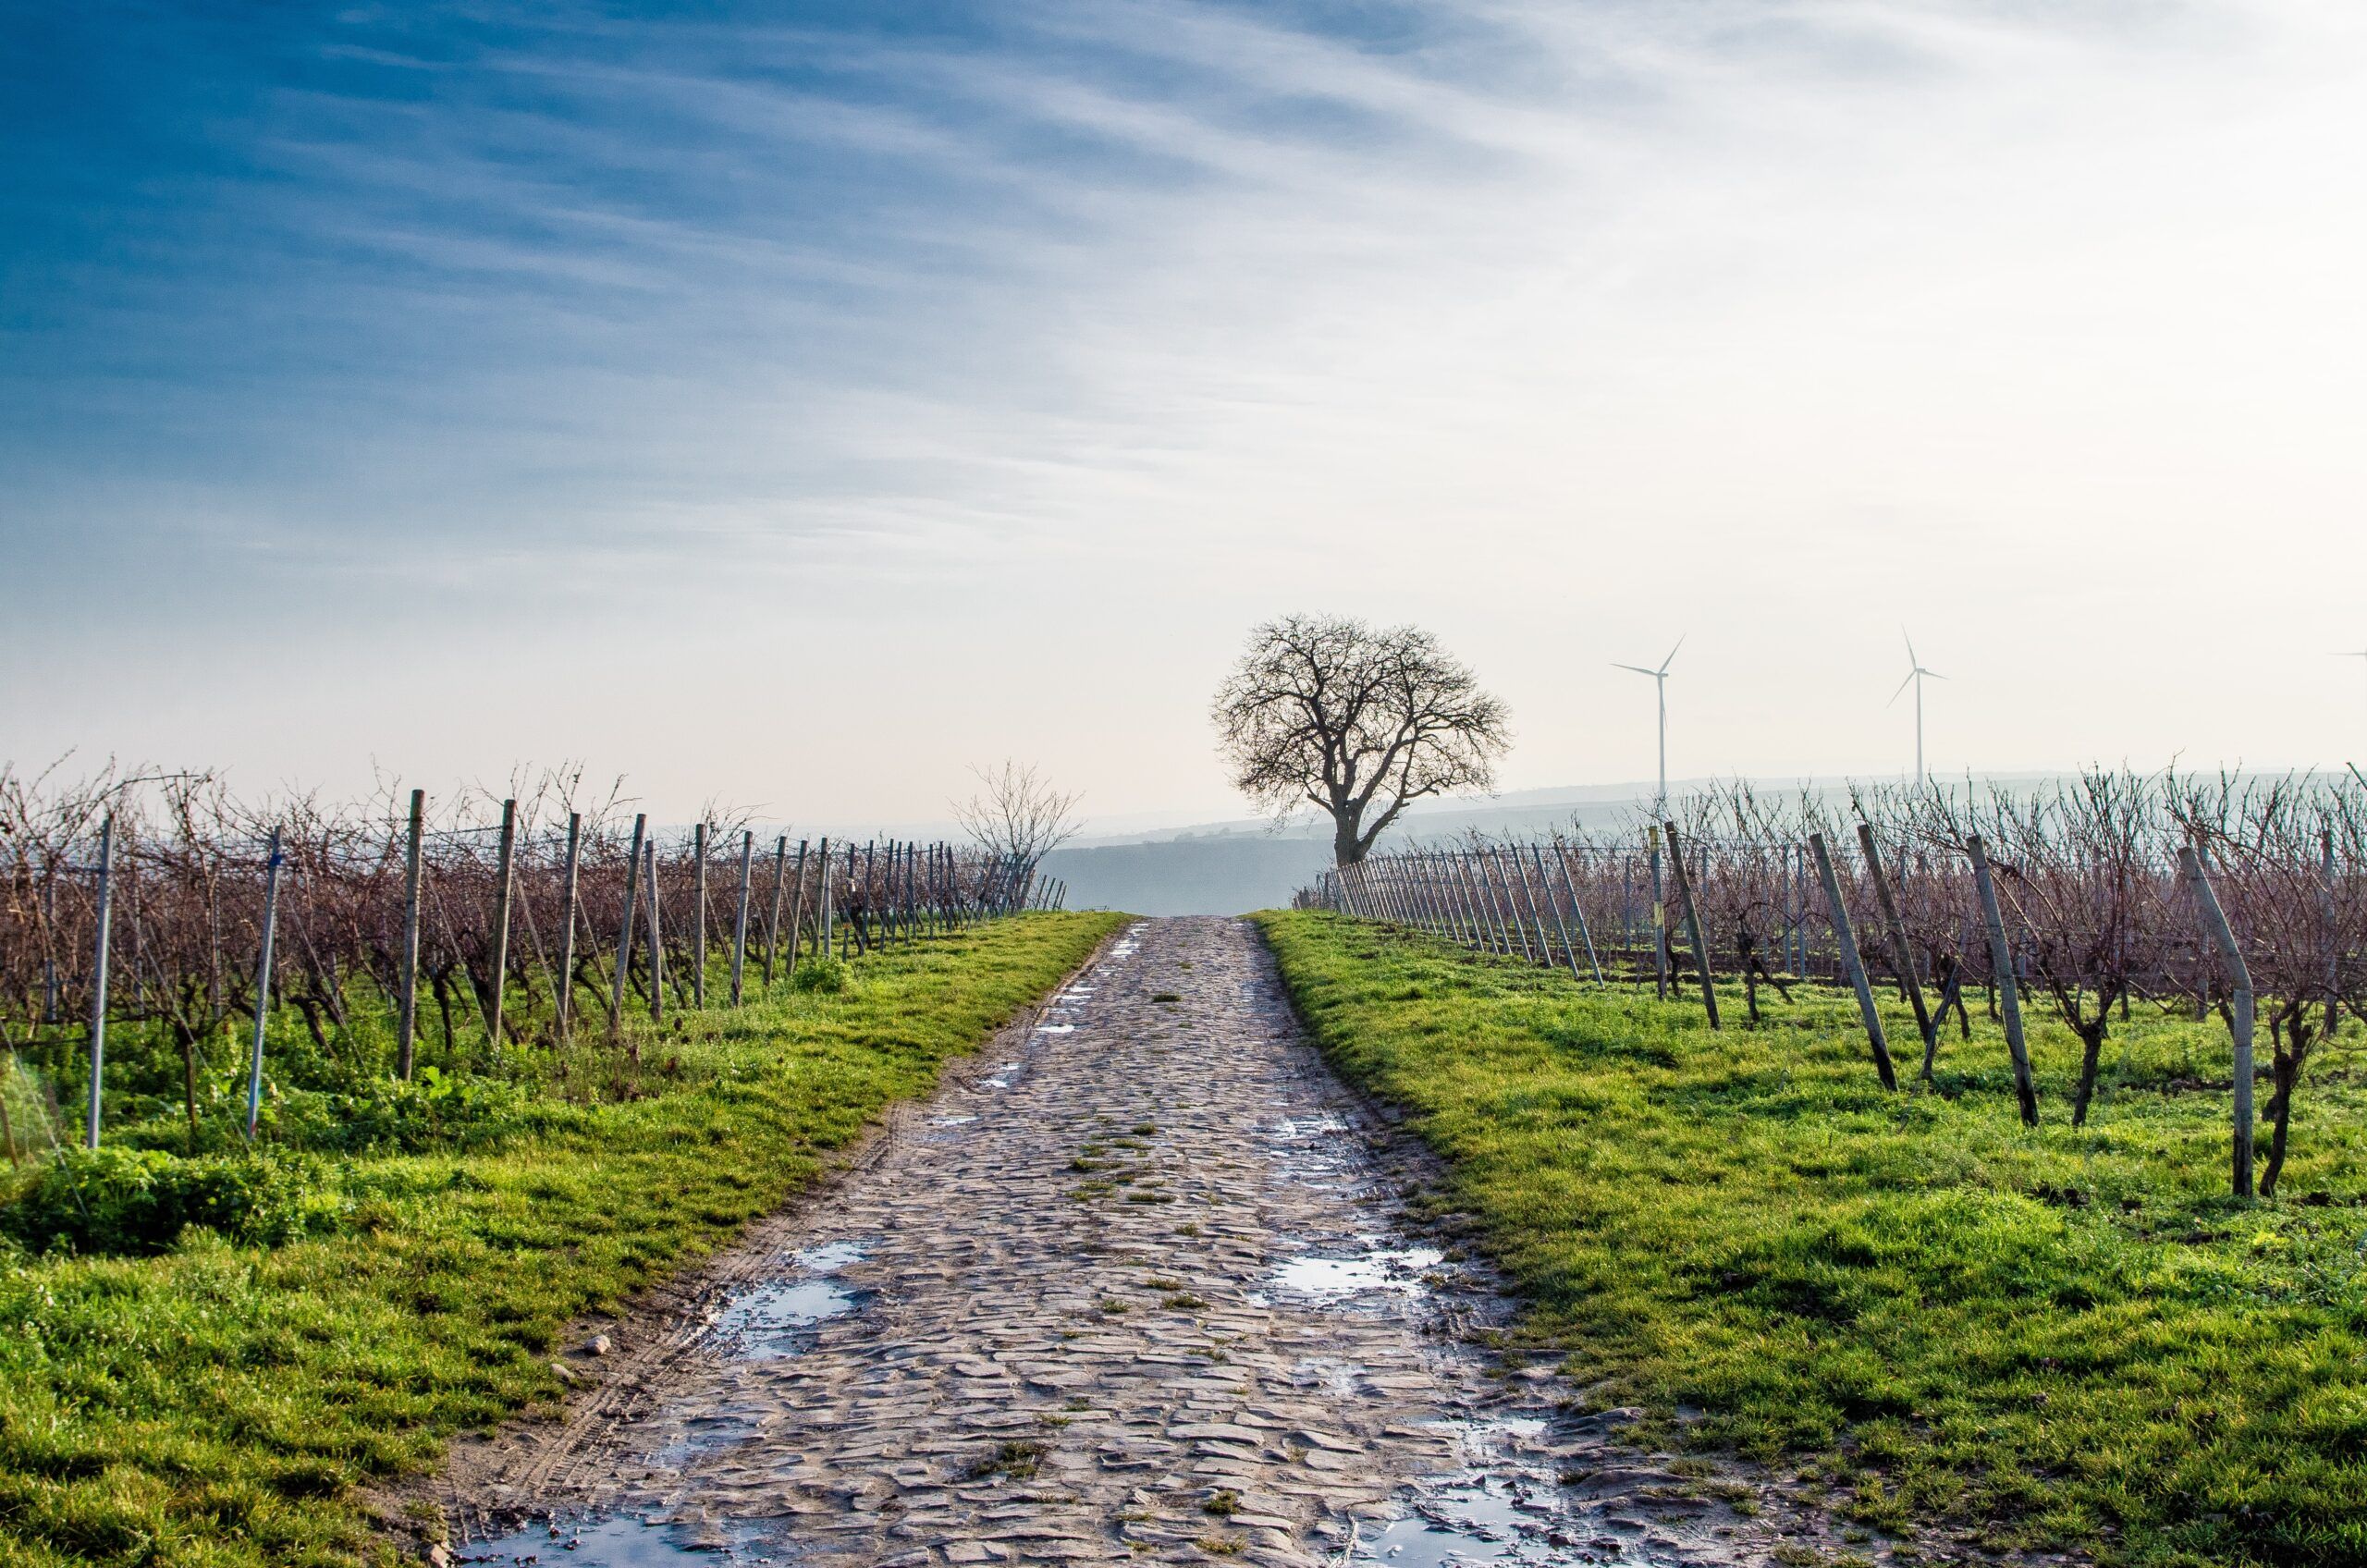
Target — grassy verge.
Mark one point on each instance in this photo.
(2057, 1337)
(220, 1404)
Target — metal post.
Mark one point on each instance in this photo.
(825, 915)
(263, 984)
(407, 959)
(99, 977)
(1578, 915)
(506, 878)
(656, 939)
(740, 923)
(624, 932)
(1846, 935)
(2001, 964)
(1659, 920)
(2239, 978)
(1692, 921)
(698, 918)
(772, 922)
(564, 1003)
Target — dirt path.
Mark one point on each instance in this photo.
(1140, 1290)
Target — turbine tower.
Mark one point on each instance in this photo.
(1659, 683)
(1915, 675)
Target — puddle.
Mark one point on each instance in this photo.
(777, 1318)
(950, 1121)
(1055, 1028)
(831, 1256)
(613, 1543)
(1331, 1279)
(1499, 1511)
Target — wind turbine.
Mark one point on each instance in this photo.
(1659, 683)
(1915, 675)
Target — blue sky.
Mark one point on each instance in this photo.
(798, 403)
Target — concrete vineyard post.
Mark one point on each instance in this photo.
(263, 984)
(407, 956)
(106, 892)
(740, 922)
(1901, 953)
(2001, 965)
(1692, 922)
(505, 873)
(2239, 976)
(1846, 935)
(698, 916)
(624, 931)
(563, 1005)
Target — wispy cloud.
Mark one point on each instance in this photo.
(1513, 316)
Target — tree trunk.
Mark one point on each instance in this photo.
(2092, 1043)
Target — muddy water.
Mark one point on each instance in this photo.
(1138, 1290)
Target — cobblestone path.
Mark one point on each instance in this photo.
(1137, 1288)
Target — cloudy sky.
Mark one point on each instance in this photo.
(795, 403)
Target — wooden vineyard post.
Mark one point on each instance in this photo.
(1901, 953)
(2001, 965)
(624, 931)
(1692, 921)
(740, 922)
(263, 984)
(2238, 975)
(99, 978)
(407, 956)
(1847, 934)
(564, 1003)
(698, 917)
(505, 877)
(772, 921)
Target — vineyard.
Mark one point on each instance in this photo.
(198, 971)
(2246, 899)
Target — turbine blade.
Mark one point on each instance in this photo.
(1902, 686)
(1932, 673)
(1910, 647)
(1672, 655)
(1637, 668)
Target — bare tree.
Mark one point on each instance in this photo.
(1017, 817)
(1357, 720)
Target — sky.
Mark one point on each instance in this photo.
(794, 405)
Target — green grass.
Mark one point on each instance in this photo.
(220, 1404)
(2050, 1337)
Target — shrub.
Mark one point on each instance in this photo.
(818, 974)
(137, 1201)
